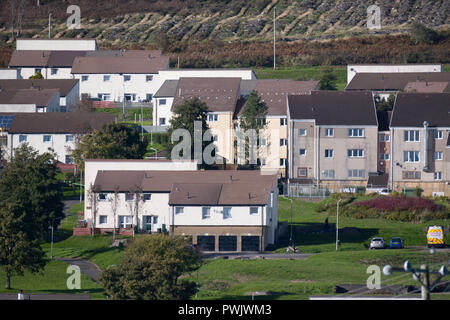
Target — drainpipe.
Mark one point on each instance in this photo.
(425, 146)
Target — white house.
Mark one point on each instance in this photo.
(354, 69)
(8, 74)
(57, 44)
(53, 132)
(219, 210)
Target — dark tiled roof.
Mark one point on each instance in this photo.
(334, 108)
(40, 98)
(124, 53)
(64, 85)
(427, 87)
(122, 64)
(220, 94)
(412, 109)
(59, 122)
(393, 81)
(168, 89)
(41, 58)
(212, 187)
(378, 181)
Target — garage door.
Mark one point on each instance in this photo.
(250, 243)
(227, 243)
(206, 243)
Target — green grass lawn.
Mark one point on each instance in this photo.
(302, 73)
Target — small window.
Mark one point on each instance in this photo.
(162, 121)
(129, 196)
(355, 153)
(213, 117)
(206, 212)
(47, 138)
(23, 138)
(102, 197)
(411, 174)
(36, 70)
(253, 210)
(302, 152)
(125, 221)
(103, 219)
(411, 156)
(106, 78)
(84, 78)
(69, 138)
(411, 136)
(438, 176)
(438, 134)
(385, 138)
(155, 219)
(149, 78)
(302, 132)
(69, 160)
(126, 78)
(329, 132)
(328, 173)
(355, 173)
(356, 132)
(302, 172)
(54, 71)
(149, 97)
(438, 155)
(179, 210)
(329, 153)
(283, 122)
(226, 213)
(385, 156)
(147, 196)
(162, 102)
(282, 162)
(283, 142)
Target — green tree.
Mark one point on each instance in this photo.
(151, 269)
(30, 202)
(421, 34)
(185, 116)
(113, 141)
(383, 104)
(38, 75)
(327, 79)
(253, 118)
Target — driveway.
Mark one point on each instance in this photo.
(88, 268)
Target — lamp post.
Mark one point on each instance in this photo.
(337, 224)
(51, 246)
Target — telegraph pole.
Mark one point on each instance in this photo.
(425, 273)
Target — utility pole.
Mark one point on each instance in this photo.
(49, 25)
(425, 273)
(274, 36)
(337, 224)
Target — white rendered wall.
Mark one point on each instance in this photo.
(8, 73)
(56, 45)
(17, 108)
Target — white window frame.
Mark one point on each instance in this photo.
(227, 216)
(411, 136)
(302, 132)
(411, 156)
(385, 156)
(100, 219)
(300, 152)
(148, 78)
(438, 134)
(283, 142)
(253, 209)
(46, 135)
(206, 213)
(102, 197)
(106, 78)
(328, 174)
(283, 122)
(356, 133)
(128, 195)
(179, 210)
(54, 71)
(329, 153)
(23, 138)
(162, 102)
(356, 173)
(329, 132)
(438, 176)
(146, 194)
(126, 77)
(84, 78)
(438, 155)
(127, 221)
(212, 117)
(355, 153)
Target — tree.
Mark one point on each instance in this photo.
(30, 202)
(151, 268)
(114, 202)
(184, 117)
(384, 105)
(421, 34)
(327, 79)
(252, 124)
(113, 141)
(38, 75)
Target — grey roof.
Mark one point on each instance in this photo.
(40, 98)
(427, 87)
(122, 64)
(334, 108)
(395, 81)
(64, 85)
(41, 58)
(412, 109)
(168, 89)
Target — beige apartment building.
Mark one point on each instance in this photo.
(420, 127)
(333, 139)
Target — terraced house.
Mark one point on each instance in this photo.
(420, 127)
(333, 139)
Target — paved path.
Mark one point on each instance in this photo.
(88, 268)
(45, 296)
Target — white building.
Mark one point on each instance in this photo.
(353, 69)
(57, 44)
(53, 132)
(219, 210)
(8, 74)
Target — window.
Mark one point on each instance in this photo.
(283, 142)
(206, 212)
(253, 210)
(147, 196)
(438, 134)
(147, 223)
(282, 162)
(69, 160)
(54, 71)
(302, 132)
(148, 78)
(149, 97)
(155, 219)
(355, 153)
(22, 138)
(356, 173)
(263, 161)
(356, 132)
(384, 156)
(411, 174)
(213, 117)
(103, 219)
(69, 138)
(385, 138)
(262, 142)
(129, 196)
(130, 96)
(162, 102)
(125, 221)
(106, 78)
(226, 213)
(329, 132)
(302, 152)
(438, 176)
(102, 197)
(126, 78)
(438, 155)
(283, 122)
(179, 210)
(328, 173)
(411, 156)
(84, 78)
(329, 153)
(411, 135)
(36, 70)
(104, 96)
(162, 121)
(47, 138)
(302, 172)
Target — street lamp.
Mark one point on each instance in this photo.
(51, 246)
(337, 224)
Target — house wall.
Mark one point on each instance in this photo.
(274, 133)
(223, 128)
(391, 68)
(18, 108)
(162, 111)
(27, 72)
(8, 73)
(56, 45)
(384, 147)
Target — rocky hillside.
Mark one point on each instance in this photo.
(150, 22)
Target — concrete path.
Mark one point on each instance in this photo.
(88, 268)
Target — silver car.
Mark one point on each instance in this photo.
(377, 243)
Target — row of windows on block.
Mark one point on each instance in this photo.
(226, 212)
(329, 153)
(127, 221)
(330, 173)
(107, 78)
(128, 196)
(127, 97)
(414, 135)
(408, 156)
(329, 132)
(414, 156)
(45, 138)
(416, 175)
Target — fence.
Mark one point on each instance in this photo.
(298, 190)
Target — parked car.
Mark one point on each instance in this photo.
(396, 243)
(377, 243)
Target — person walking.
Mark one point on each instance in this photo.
(20, 295)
